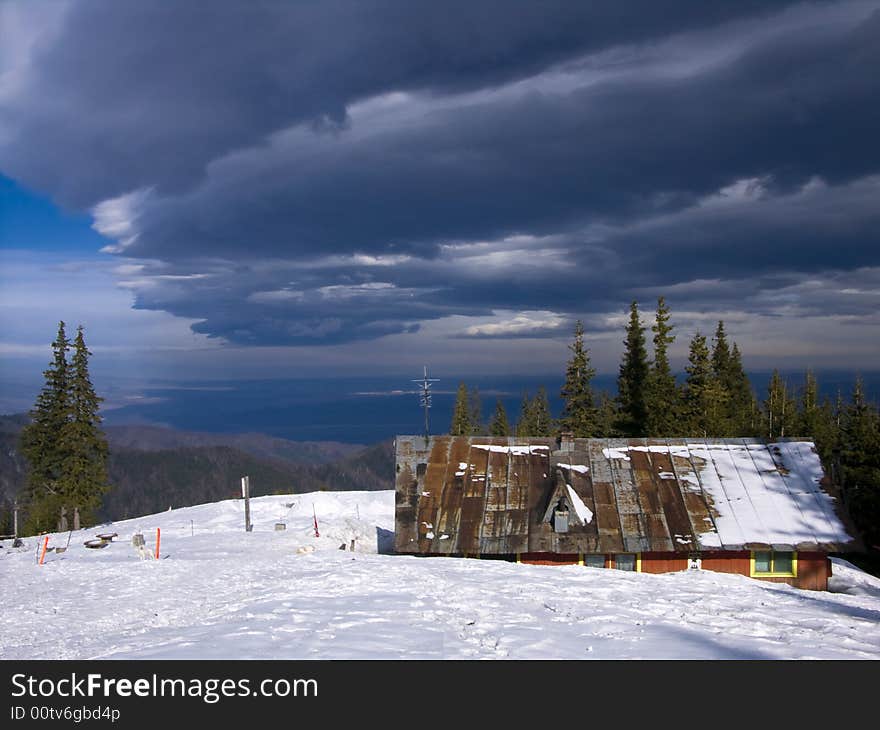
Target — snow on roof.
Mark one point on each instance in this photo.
(766, 493)
(582, 511)
(518, 450)
(647, 494)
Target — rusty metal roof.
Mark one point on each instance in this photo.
(492, 496)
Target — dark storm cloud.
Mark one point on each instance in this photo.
(132, 94)
(539, 161)
(329, 172)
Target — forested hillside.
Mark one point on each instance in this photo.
(146, 477)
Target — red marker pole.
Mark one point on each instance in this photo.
(43, 553)
(158, 536)
(315, 514)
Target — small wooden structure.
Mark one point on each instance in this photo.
(758, 508)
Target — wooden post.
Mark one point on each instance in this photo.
(246, 495)
(76, 518)
(158, 537)
(15, 519)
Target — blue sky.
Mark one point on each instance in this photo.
(297, 190)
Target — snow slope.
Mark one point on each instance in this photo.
(218, 592)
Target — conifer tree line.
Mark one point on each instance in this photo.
(63, 443)
(714, 400)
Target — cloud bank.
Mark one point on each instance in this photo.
(328, 173)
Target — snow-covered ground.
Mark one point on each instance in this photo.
(218, 592)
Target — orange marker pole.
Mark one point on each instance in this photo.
(43, 553)
(158, 535)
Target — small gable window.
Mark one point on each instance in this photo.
(560, 516)
(771, 563)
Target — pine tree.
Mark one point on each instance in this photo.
(722, 368)
(808, 419)
(461, 413)
(780, 411)
(720, 352)
(816, 420)
(539, 414)
(633, 378)
(579, 412)
(742, 411)
(704, 398)
(499, 425)
(607, 416)
(525, 424)
(475, 407)
(84, 469)
(40, 444)
(860, 462)
(663, 406)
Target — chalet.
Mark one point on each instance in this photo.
(758, 508)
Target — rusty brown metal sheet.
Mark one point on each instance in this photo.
(671, 499)
(656, 528)
(472, 509)
(541, 482)
(518, 481)
(405, 499)
(451, 495)
(473, 502)
(496, 475)
(700, 509)
(607, 517)
(496, 527)
(475, 478)
(632, 519)
(412, 456)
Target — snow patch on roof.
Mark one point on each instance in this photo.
(584, 512)
(515, 450)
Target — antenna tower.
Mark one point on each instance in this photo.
(425, 397)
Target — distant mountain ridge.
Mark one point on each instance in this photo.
(153, 468)
(159, 438)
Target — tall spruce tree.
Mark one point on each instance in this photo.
(663, 401)
(540, 417)
(632, 381)
(860, 463)
(607, 416)
(475, 406)
(461, 413)
(40, 444)
(703, 396)
(780, 410)
(742, 410)
(499, 426)
(525, 425)
(816, 420)
(84, 470)
(722, 364)
(579, 411)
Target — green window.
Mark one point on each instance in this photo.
(773, 563)
(763, 562)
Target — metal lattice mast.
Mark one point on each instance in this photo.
(425, 397)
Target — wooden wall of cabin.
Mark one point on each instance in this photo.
(813, 569)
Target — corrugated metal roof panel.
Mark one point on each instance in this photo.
(491, 495)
